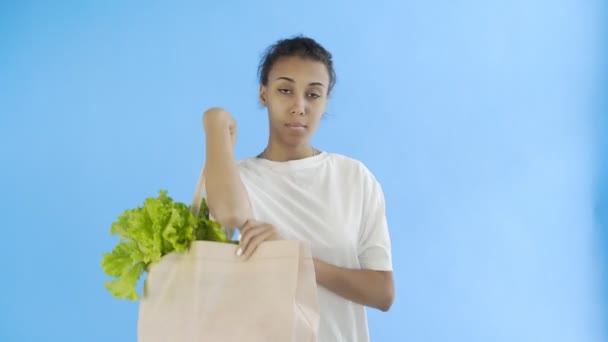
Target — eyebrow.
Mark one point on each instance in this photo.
(293, 81)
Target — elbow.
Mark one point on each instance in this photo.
(388, 296)
(231, 208)
(387, 302)
(230, 222)
(228, 218)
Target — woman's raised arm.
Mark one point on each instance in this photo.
(227, 197)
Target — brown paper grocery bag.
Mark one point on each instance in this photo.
(208, 294)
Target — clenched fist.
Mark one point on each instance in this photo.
(219, 119)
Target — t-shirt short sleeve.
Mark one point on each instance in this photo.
(374, 247)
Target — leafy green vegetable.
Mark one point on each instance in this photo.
(149, 232)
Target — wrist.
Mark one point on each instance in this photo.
(320, 268)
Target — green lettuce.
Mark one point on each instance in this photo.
(149, 232)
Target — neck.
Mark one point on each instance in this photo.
(280, 154)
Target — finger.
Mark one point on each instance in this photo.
(256, 241)
(248, 224)
(248, 227)
(249, 234)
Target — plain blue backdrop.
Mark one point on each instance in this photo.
(479, 118)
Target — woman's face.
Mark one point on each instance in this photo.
(296, 95)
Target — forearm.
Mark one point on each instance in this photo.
(366, 287)
(226, 195)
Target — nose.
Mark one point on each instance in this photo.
(298, 107)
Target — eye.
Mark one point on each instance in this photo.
(284, 91)
(314, 96)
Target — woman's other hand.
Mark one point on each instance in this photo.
(253, 233)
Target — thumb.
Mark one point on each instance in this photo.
(233, 136)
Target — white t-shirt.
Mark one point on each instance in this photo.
(336, 204)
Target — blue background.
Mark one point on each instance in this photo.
(482, 120)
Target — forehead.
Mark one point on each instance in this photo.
(299, 69)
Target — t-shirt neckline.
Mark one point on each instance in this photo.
(295, 164)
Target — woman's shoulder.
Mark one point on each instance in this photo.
(350, 163)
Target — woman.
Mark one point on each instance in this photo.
(295, 191)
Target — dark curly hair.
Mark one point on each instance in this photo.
(299, 46)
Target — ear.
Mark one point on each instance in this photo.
(263, 95)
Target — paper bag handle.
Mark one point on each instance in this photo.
(198, 193)
(198, 200)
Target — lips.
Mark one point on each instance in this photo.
(295, 125)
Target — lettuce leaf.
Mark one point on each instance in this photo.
(209, 230)
(123, 287)
(149, 232)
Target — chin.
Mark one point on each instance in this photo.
(295, 141)
(291, 137)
